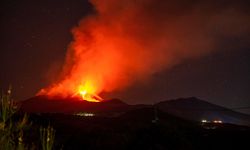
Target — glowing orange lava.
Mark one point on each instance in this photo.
(87, 92)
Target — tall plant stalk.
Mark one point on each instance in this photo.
(47, 136)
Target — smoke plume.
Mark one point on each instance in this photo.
(126, 41)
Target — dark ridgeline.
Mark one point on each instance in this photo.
(195, 109)
(191, 108)
(43, 104)
(117, 125)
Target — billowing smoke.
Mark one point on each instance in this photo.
(125, 41)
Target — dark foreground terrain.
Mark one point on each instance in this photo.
(115, 125)
(135, 130)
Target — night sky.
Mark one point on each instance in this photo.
(34, 40)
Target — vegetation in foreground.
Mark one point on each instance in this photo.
(136, 129)
(15, 128)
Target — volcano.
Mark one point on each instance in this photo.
(191, 108)
(44, 104)
(115, 121)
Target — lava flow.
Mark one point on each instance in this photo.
(87, 93)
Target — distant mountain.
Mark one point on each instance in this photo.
(187, 108)
(43, 104)
(197, 110)
(135, 127)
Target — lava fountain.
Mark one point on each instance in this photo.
(88, 93)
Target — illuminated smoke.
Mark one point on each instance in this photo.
(128, 40)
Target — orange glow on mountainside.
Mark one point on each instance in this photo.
(87, 92)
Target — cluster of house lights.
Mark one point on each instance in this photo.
(213, 121)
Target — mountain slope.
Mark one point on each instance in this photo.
(43, 104)
(187, 108)
(197, 110)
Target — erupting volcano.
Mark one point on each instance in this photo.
(123, 42)
(86, 91)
